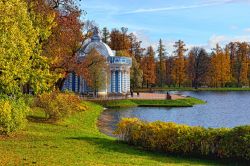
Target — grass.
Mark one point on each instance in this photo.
(187, 102)
(77, 141)
(119, 103)
(192, 89)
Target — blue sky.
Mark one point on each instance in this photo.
(197, 22)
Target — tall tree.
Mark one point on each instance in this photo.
(198, 64)
(120, 42)
(148, 67)
(136, 74)
(161, 68)
(65, 41)
(21, 62)
(242, 64)
(169, 63)
(105, 35)
(220, 67)
(135, 47)
(178, 72)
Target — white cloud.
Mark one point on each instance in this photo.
(234, 27)
(184, 7)
(216, 39)
(223, 40)
(150, 10)
(247, 30)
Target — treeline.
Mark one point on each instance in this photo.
(222, 67)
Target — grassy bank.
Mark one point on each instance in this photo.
(187, 102)
(77, 141)
(192, 89)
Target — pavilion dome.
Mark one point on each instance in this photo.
(96, 43)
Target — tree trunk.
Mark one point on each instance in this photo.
(60, 83)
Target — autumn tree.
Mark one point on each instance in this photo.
(198, 64)
(242, 64)
(169, 63)
(66, 36)
(220, 67)
(95, 71)
(148, 67)
(120, 42)
(178, 73)
(136, 49)
(161, 68)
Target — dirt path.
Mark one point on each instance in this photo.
(155, 96)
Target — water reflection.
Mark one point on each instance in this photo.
(223, 109)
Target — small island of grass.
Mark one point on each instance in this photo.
(185, 102)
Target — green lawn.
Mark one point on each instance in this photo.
(187, 102)
(77, 141)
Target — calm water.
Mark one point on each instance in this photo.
(223, 109)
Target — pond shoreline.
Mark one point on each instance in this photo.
(222, 110)
(106, 123)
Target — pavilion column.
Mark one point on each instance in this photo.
(128, 81)
(76, 83)
(124, 81)
(70, 81)
(119, 81)
(113, 81)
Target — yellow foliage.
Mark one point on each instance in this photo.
(183, 139)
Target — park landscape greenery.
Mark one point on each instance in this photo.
(39, 45)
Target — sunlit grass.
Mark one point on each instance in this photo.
(77, 141)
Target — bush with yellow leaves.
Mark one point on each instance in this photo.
(58, 105)
(12, 115)
(182, 139)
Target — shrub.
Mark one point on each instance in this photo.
(182, 139)
(28, 99)
(59, 105)
(12, 115)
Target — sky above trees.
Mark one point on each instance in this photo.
(197, 22)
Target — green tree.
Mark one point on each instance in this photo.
(161, 67)
(198, 64)
(105, 35)
(136, 74)
(20, 51)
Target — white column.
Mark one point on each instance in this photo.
(76, 83)
(119, 81)
(122, 81)
(81, 85)
(113, 81)
(128, 81)
(124, 84)
(70, 81)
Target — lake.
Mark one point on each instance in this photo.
(223, 109)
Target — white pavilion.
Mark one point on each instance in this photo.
(119, 82)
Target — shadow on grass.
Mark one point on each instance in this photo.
(37, 119)
(121, 147)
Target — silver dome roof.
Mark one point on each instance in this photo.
(96, 43)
